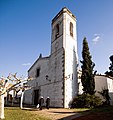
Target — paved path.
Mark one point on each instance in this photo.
(56, 113)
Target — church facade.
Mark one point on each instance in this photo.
(56, 75)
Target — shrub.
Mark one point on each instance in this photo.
(105, 94)
(86, 101)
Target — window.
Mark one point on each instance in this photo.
(71, 29)
(38, 72)
(57, 30)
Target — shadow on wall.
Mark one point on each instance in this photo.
(111, 98)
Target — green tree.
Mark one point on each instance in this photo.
(87, 77)
(110, 73)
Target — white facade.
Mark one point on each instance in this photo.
(56, 75)
(102, 82)
(80, 87)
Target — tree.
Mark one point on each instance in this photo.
(110, 73)
(87, 77)
(4, 87)
(86, 101)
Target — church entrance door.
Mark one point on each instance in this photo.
(36, 96)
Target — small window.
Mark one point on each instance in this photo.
(71, 29)
(38, 72)
(57, 30)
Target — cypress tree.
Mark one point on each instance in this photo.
(87, 77)
(110, 73)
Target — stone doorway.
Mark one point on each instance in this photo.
(36, 97)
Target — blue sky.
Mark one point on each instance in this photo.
(25, 31)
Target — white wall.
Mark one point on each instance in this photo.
(103, 82)
(71, 58)
(100, 84)
(110, 87)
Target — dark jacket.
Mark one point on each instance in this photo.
(47, 103)
(41, 102)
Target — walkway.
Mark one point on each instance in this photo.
(56, 113)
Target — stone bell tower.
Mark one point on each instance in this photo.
(64, 58)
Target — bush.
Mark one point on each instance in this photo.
(105, 94)
(86, 101)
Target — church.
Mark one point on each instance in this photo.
(57, 76)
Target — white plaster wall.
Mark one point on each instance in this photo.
(28, 94)
(54, 91)
(56, 76)
(28, 97)
(53, 87)
(56, 66)
(58, 21)
(80, 87)
(110, 84)
(102, 82)
(70, 46)
(69, 41)
(57, 43)
(40, 63)
(110, 87)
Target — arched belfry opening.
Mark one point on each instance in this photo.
(71, 29)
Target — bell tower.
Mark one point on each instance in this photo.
(64, 53)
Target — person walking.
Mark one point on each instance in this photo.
(41, 102)
(47, 102)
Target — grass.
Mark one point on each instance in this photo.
(81, 109)
(104, 109)
(15, 113)
(101, 113)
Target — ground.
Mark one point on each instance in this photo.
(56, 113)
(96, 116)
(103, 113)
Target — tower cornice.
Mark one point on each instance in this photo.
(64, 10)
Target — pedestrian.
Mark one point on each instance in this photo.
(47, 102)
(41, 102)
